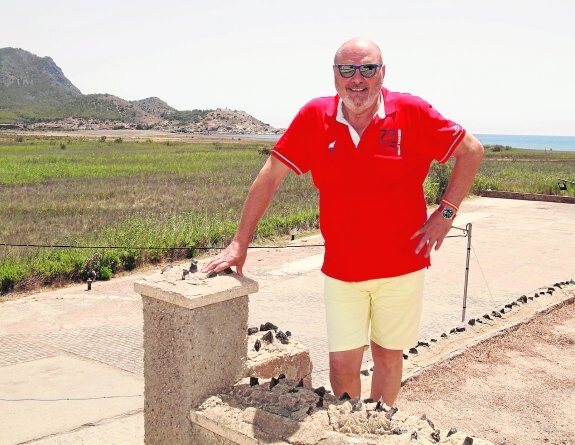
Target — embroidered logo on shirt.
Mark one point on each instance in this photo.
(390, 140)
(331, 146)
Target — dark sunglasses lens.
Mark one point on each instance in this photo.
(368, 70)
(346, 71)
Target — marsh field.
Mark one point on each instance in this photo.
(144, 201)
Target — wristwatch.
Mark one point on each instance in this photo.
(447, 212)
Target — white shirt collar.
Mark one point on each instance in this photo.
(341, 118)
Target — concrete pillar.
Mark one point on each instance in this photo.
(194, 346)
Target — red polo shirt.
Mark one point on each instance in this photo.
(371, 195)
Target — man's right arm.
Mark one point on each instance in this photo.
(259, 197)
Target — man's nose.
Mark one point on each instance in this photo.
(356, 75)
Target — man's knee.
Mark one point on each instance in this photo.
(346, 362)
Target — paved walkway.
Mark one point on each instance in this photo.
(71, 360)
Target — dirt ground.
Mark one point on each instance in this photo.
(514, 389)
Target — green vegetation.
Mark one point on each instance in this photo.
(132, 194)
(178, 197)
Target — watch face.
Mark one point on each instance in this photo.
(448, 213)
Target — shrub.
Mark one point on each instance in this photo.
(105, 273)
(118, 140)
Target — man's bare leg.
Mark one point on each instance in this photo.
(386, 377)
(344, 367)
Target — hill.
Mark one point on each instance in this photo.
(35, 94)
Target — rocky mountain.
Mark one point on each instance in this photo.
(35, 94)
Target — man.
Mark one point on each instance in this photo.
(369, 151)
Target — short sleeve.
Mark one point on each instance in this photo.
(441, 135)
(294, 148)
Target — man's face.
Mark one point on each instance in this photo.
(359, 94)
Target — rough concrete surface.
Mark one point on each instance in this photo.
(287, 413)
(188, 354)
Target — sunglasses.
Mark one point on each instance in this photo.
(366, 70)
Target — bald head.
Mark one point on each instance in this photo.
(356, 46)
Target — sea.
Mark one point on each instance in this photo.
(558, 143)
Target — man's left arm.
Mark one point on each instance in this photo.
(468, 155)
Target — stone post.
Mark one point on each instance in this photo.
(194, 346)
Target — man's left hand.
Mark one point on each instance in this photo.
(432, 233)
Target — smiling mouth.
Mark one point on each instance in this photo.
(357, 90)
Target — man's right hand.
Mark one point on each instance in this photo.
(233, 255)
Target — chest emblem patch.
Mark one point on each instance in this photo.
(390, 142)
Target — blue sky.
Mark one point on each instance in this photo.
(494, 66)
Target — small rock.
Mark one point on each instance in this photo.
(453, 331)
(433, 340)
(414, 435)
(398, 431)
(281, 376)
(460, 329)
(405, 356)
(280, 335)
(252, 331)
(268, 337)
(309, 411)
(345, 396)
(367, 400)
(288, 333)
(536, 295)
(444, 335)
(468, 441)
(423, 343)
(357, 406)
(319, 403)
(257, 345)
(451, 431)
(487, 317)
(471, 322)
(273, 382)
(430, 423)
(413, 351)
(254, 381)
(364, 372)
(268, 326)
(300, 384)
(391, 413)
(284, 341)
(320, 391)
(479, 320)
(436, 436)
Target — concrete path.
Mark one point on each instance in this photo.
(71, 360)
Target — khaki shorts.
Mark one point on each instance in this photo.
(392, 306)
